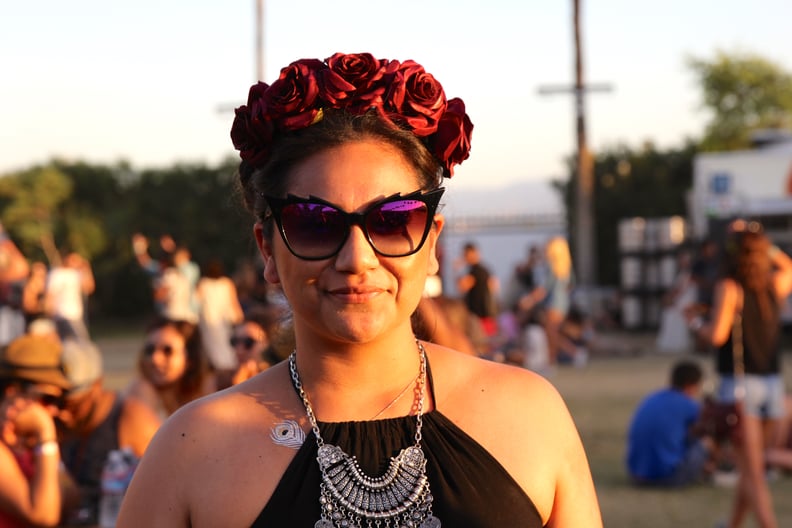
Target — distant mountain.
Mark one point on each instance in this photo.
(528, 197)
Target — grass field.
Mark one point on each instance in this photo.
(601, 398)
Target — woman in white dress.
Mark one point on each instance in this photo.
(219, 311)
(674, 336)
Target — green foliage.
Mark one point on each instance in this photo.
(628, 183)
(95, 210)
(743, 93)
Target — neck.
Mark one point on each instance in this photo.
(361, 383)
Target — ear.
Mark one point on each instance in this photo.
(265, 248)
(434, 235)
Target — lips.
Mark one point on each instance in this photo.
(355, 294)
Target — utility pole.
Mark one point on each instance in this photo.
(259, 40)
(258, 52)
(584, 232)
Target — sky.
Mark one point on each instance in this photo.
(152, 82)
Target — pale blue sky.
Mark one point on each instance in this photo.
(103, 80)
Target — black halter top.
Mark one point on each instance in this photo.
(470, 488)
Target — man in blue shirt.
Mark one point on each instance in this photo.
(660, 447)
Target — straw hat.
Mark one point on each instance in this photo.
(35, 359)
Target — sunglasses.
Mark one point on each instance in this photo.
(44, 398)
(314, 229)
(247, 342)
(151, 348)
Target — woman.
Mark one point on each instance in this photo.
(553, 297)
(172, 366)
(748, 299)
(345, 188)
(254, 342)
(219, 309)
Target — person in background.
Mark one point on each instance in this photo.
(14, 269)
(779, 455)
(448, 322)
(252, 342)
(33, 293)
(68, 286)
(173, 369)
(551, 300)
(219, 310)
(746, 306)
(95, 421)
(662, 449)
(673, 335)
(32, 386)
(342, 162)
(174, 277)
(479, 289)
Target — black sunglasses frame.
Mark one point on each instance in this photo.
(429, 198)
(247, 342)
(150, 349)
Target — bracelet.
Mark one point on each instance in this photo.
(49, 447)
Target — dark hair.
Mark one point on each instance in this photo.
(197, 365)
(684, 374)
(748, 260)
(214, 269)
(750, 265)
(336, 128)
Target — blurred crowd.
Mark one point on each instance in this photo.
(60, 424)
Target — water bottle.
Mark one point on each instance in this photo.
(116, 475)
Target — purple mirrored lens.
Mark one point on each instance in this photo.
(397, 227)
(313, 229)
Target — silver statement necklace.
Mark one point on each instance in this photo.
(400, 498)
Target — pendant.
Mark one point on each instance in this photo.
(431, 522)
(402, 485)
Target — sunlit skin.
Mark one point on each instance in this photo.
(355, 351)
(161, 369)
(358, 295)
(254, 331)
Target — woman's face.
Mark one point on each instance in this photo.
(356, 295)
(164, 356)
(249, 341)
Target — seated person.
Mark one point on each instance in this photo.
(575, 335)
(661, 449)
(31, 391)
(95, 421)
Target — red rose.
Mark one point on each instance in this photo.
(290, 101)
(364, 74)
(415, 99)
(251, 132)
(451, 142)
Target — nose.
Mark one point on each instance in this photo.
(356, 254)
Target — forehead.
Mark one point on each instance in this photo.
(248, 327)
(354, 174)
(166, 334)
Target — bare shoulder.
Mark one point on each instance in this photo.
(474, 383)
(215, 451)
(520, 419)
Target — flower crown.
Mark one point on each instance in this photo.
(402, 93)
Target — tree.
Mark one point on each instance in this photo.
(627, 183)
(31, 199)
(743, 93)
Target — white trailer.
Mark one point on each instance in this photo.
(755, 184)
